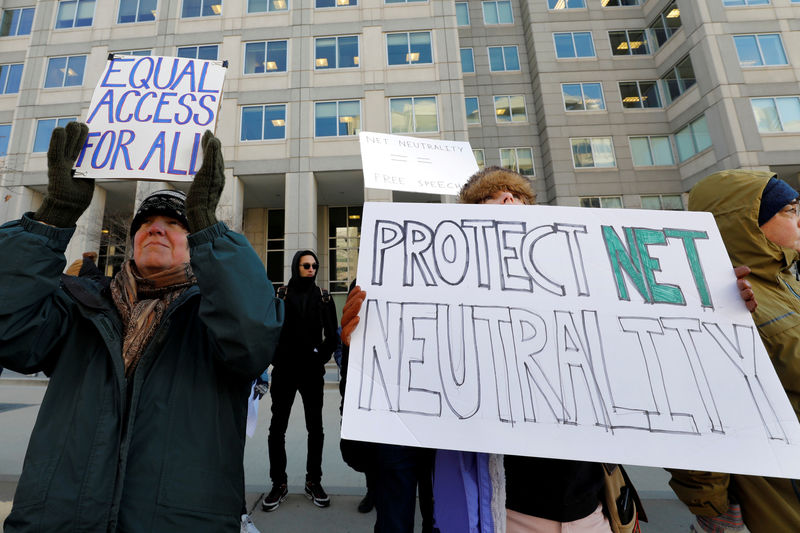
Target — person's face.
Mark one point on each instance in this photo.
(784, 227)
(159, 244)
(503, 197)
(308, 266)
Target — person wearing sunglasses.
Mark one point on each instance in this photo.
(308, 339)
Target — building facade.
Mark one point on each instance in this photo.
(604, 103)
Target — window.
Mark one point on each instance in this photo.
(207, 52)
(479, 158)
(135, 53)
(65, 71)
(75, 13)
(613, 202)
(260, 57)
(336, 52)
(467, 61)
(651, 151)
(669, 202)
(497, 12)
(344, 237)
(201, 8)
(44, 128)
(402, 1)
(263, 122)
(473, 110)
(583, 96)
(620, 3)
(628, 42)
(413, 115)
(665, 25)
(462, 13)
(267, 6)
(409, 48)
(773, 115)
(276, 222)
(136, 11)
(575, 44)
(337, 119)
(10, 76)
(510, 109)
(502, 58)
(760, 50)
(565, 4)
(692, 139)
(335, 3)
(639, 94)
(732, 3)
(593, 152)
(5, 135)
(16, 22)
(678, 79)
(517, 159)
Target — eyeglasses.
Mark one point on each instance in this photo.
(309, 266)
(792, 209)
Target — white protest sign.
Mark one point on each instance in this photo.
(147, 116)
(590, 334)
(417, 165)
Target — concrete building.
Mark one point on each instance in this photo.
(604, 103)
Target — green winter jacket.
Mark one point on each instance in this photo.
(159, 452)
(769, 505)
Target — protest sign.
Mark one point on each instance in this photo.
(590, 334)
(412, 164)
(147, 116)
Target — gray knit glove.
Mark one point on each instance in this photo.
(67, 197)
(203, 197)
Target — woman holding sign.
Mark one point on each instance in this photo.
(142, 426)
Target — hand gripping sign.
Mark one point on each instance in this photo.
(147, 116)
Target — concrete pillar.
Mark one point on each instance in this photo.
(254, 229)
(377, 195)
(300, 216)
(231, 204)
(16, 201)
(88, 228)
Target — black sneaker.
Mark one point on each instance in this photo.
(275, 497)
(366, 504)
(317, 494)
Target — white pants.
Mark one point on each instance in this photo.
(522, 523)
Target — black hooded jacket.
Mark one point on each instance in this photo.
(309, 324)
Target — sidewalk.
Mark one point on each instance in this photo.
(20, 398)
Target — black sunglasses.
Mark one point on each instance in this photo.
(309, 265)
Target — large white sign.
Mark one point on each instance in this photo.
(592, 334)
(147, 117)
(416, 165)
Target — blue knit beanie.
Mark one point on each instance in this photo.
(777, 194)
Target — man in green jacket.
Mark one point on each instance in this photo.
(142, 427)
(757, 215)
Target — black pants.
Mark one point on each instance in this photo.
(399, 472)
(284, 387)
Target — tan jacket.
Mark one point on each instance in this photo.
(733, 197)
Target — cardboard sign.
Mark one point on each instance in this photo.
(416, 165)
(591, 334)
(147, 116)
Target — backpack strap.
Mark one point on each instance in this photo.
(325, 296)
(282, 290)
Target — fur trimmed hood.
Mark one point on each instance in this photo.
(492, 180)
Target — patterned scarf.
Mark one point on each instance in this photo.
(142, 302)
